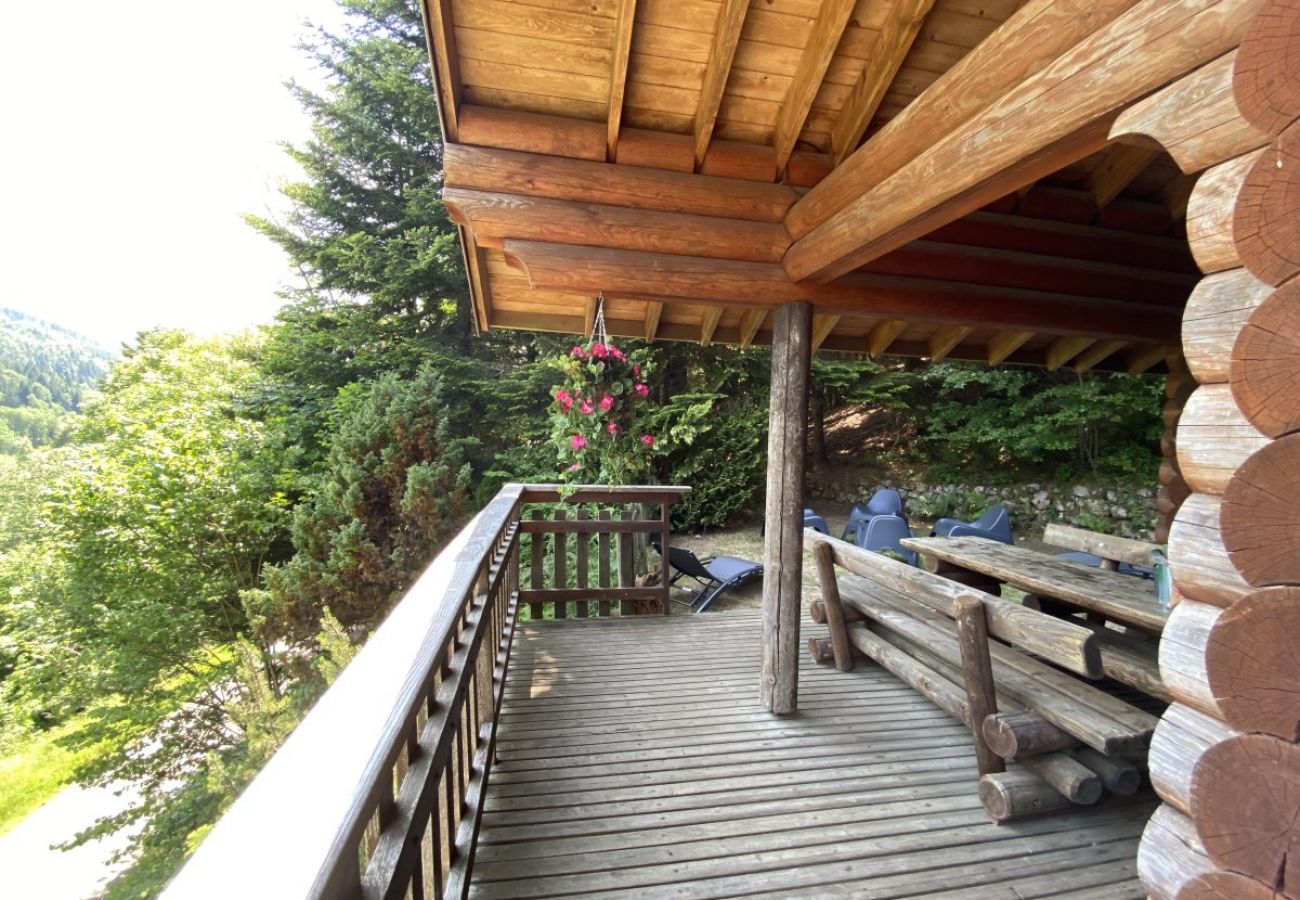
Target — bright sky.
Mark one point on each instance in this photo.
(135, 136)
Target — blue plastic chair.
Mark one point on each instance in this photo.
(884, 502)
(884, 533)
(815, 522)
(995, 524)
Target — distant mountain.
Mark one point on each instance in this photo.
(45, 371)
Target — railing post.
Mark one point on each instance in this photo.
(665, 509)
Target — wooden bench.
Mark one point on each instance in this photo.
(965, 650)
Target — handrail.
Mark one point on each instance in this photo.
(298, 829)
(378, 791)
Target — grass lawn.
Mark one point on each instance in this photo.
(34, 769)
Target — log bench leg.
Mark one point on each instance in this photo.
(973, 637)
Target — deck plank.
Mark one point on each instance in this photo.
(635, 760)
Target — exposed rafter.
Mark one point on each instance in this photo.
(709, 324)
(1143, 358)
(1089, 358)
(441, 33)
(750, 322)
(1004, 343)
(1122, 164)
(882, 334)
(829, 25)
(822, 326)
(618, 74)
(883, 60)
(589, 316)
(1064, 349)
(726, 37)
(943, 340)
(652, 313)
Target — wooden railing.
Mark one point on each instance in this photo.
(379, 791)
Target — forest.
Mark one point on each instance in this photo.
(190, 552)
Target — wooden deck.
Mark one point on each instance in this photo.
(635, 761)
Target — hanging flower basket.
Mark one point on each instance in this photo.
(599, 413)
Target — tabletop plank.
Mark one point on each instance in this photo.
(1120, 598)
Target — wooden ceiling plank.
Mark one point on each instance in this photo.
(1089, 358)
(1004, 343)
(537, 175)
(750, 322)
(887, 54)
(945, 339)
(726, 37)
(1064, 349)
(1049, 119)
(440, 36)
(822, 326)
(618, 75)
(1039, 31)
(882, 335)
(709, 324)
(1143, 358)
(667, 277)
(1123, 163)
(832, 18)
(652, 313)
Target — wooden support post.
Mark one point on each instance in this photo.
(602, 566)
(561, 562)
(973, 636)
(537, 546)
(783, 544)
(834, 609)
(580, 563)
(665, 571)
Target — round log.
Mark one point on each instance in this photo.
(1201, 567)
(1245, 793)
(1008, 796)
(1227, 886)
(1261, 515)
(820, 650)
(1265, 363)
(1266, 73)
(1171, 496)
(1170, 855)
(1253, 669)
(1015, 735)
(1266, 220)
(1119, 776)
(1182, 655)
(1167, 443)
(1179, 742)
(1214, 438)
(1160, 534)
(1215, 313)
(1167, 472)
(1210, 214)
(1067, 775)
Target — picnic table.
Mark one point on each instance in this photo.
(1106, 595)
(1118, 598)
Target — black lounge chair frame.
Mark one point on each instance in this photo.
(712, 576)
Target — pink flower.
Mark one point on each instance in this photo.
(598, 350)
(566, 404)
(576, 467)
(606, 403)
(648, 440)
(613, 428)
(587, 408)
(577, 352)
(577, 442)
(636, 371)
(564, 398)
(642, 390)
(616, 353)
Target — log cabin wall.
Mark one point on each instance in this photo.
(1225, 759)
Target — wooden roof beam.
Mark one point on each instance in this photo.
(1088, 359)
(538, 175)
(882, 334)
(750, 322)
(832, 18)
(744, 284)
(1064, 349)
(945, 339)
(618, 75)
(589, 317)
(883, 61)
(709, 324)
(652, 313)
(726, 37)
(440, 36)
(1038, 32)
(1122, 164)
(1005, 343)
(1143, 358)
(1060, 114)
(822, 326)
